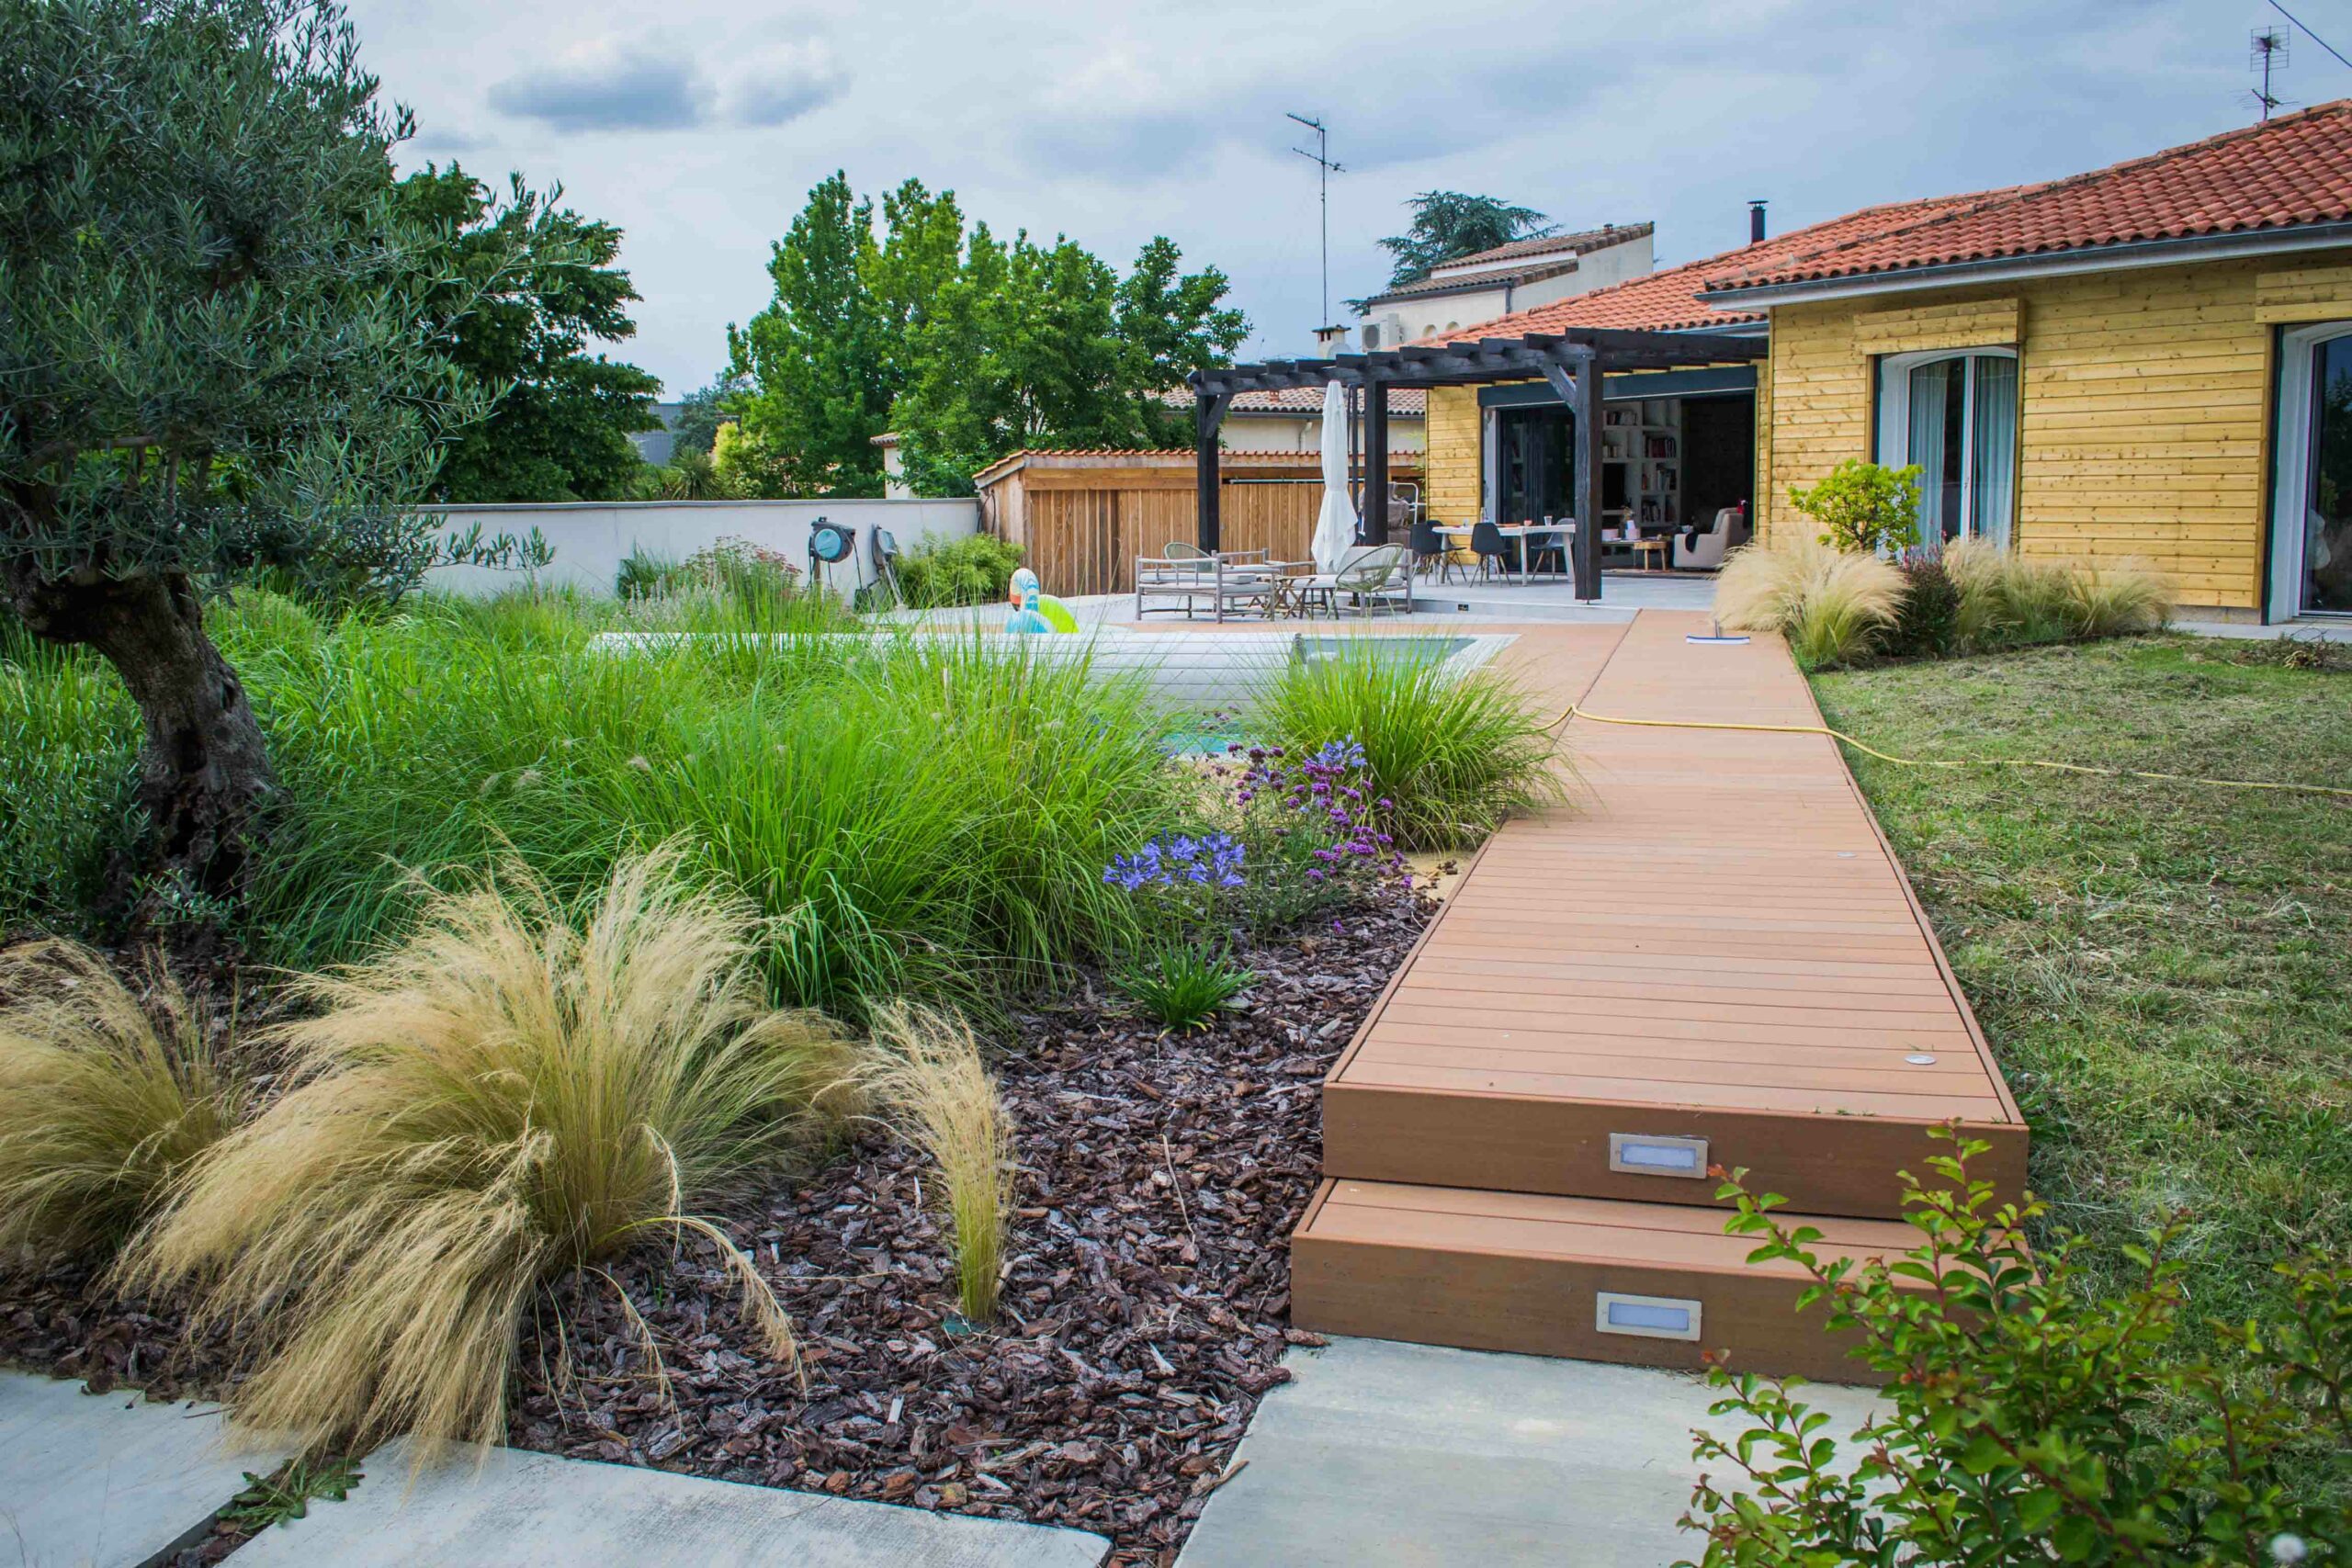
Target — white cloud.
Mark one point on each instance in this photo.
(782, 81)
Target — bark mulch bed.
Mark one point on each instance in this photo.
(1145, 1299)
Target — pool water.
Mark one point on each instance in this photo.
(1379, 649)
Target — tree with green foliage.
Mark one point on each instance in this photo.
(559, 426)
(1448, 225)
(816, 357)
(968, 345)
(701, 413)
(215, 355)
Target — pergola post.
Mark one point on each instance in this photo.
(1376, 465)
(1208, 414)
(1579, 388)
(1586, 477)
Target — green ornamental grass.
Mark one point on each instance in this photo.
(1456, 754)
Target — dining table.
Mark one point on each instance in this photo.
(1560, 531)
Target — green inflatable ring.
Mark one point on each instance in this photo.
(1056, 614)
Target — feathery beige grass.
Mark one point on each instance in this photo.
(101, 1100)
(927, 1074)
(2123, 600)
(1830, 605)
(505, 1097)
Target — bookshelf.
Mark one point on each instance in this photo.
(1644, 437)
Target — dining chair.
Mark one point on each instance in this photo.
(1553, 545)
(1488, 545)
(1431, 551)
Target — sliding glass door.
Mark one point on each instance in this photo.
(1956, 416)
(2311, 521)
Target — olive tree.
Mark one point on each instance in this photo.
(215, 355)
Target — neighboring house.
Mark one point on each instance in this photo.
(2149, 362)
(894, 467)
(1291, 419)
(1516, 276)
(658, 446)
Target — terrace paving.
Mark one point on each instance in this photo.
(109, 1480)
(516, 1510)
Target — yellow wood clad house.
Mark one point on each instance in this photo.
(2150, 362)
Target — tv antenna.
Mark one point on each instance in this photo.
(1325, 169)
(2266, 52)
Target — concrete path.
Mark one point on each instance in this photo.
(1409, 1456)
(107, 1480)
(528, 1510)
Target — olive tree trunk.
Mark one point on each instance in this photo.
(204, 773)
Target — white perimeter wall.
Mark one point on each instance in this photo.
(592, 538)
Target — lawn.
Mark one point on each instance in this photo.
(2165, 970)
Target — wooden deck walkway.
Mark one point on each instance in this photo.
(1713, 959)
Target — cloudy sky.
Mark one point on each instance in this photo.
(699, 127)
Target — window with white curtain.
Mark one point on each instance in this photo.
(1956, 416)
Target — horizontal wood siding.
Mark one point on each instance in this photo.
(2146, 399)
(2306, 294)
(1453, 454)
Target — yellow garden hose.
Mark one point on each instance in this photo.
(1575, 711)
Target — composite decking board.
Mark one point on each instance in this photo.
(1715, 928)
(1513, 1271)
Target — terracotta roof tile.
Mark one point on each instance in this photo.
(1409, 401)
(1545, 244)
(2293, 169)
(1668, 300)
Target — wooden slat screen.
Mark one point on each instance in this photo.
(1085, 541)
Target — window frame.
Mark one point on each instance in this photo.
(1894, 415)
(2291, 471)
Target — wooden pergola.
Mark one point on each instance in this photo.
(1573, 361)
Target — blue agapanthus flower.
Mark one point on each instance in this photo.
(1213, 860)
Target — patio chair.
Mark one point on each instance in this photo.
(1431, 552)
(1551, 546)
(1374, 576)
(1486, 542)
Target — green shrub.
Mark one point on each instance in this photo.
(1449, 757)
(1180, 982)
(1927, 622)
(2022, 1423)
(974, 569)
(1864, 507)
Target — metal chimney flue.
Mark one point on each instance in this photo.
(1755, 221)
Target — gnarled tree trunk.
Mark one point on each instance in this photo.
(204, 773)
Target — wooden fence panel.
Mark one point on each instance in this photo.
(1086, 541)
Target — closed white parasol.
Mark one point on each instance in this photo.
(1334, 527)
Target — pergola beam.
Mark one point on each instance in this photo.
(1573, 362)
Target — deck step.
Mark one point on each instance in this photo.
(1509, 1140)
(1602, 1279)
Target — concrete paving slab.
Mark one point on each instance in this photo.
(1411, 1456)
(528, 1510)
(97, 1481)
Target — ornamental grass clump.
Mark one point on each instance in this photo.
(1453, 754)
(509, 1096)
(103, 1097)
(928, 1078)
(1832, 605)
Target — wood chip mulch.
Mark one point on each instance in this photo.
(1146, 1297)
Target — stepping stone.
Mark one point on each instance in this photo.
(109, 1481)
(528, 1510)
(1422, 1457)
